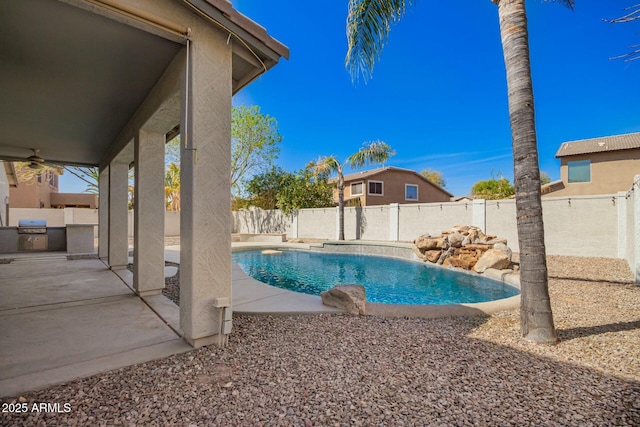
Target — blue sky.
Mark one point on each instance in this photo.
(438, 94)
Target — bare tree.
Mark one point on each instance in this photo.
(632, 13)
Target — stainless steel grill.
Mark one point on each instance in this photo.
(32, 235)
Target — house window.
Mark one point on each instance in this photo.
(410, 192)
(39, 177)
(375, 187)
(356, 189)
(579, 171)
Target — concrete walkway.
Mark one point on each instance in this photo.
(61, 320)
(253, 297)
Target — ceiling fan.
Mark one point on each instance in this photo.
(34, 160)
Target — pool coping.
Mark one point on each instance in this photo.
(253, 297)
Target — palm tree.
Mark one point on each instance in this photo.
(373, 152)
(172, 187)
(368, 26)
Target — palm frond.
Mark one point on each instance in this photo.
(373, 152)
(629, 16)
(327, 165)
(368, 26)
(567, 3)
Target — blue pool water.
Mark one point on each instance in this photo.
(386, 280)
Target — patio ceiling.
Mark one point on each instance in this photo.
(71, 78)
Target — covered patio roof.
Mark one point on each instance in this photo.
(73, 72)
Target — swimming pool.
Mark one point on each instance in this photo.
(386, 280)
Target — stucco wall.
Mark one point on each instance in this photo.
(366, 223)
(317, 223)
(580, 226)
(585, 226)
(4, 193)
(500, 220)
(85, 200)
(631, 217)
(260, 221)
(54, 217)
(431, 218)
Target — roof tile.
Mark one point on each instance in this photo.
(597, 145)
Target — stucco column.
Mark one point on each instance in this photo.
(338, 223)
(294, 225)
(635, 211)
(479, 214)
(623, 234)
(118, 200)
(394, 222)
(205, 183)
(148, 255)
(103, 214)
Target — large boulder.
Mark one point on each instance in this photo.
(433, 255)
(493, 258)
(504, 248)
(455, 239)
(429, 243)
(351, 298)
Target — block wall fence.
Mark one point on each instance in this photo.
(605, 226)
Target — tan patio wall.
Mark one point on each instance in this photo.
(366, 223)
(592, 226)
(417, 219)
(500, 220)
(630, 205)
(595, 226)
(260, 221)
(317, 223)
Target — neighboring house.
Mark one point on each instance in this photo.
(34, 192)
(41, 191)
(596, 166)
(390, 185)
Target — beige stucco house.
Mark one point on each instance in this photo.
(390, 185)
(604, 165)
(41, 191)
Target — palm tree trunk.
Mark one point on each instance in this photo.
(536, 318)
(341, 212)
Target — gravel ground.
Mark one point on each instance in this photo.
(339, 370)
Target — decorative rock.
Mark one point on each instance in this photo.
(427, 244)
(504, 248)
(418, 242)
(419, 253)
(465, 245)
(351, 298)
(271, 252)
(445, 255)
(170, 271)
(493, 258)
(496, 240)
(455, 239)
(466, 261)
(433, 255)
(478, 246)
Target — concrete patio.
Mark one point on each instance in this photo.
(65, 319)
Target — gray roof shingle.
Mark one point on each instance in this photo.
(597, 145)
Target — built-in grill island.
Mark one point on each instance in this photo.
(32, 235)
